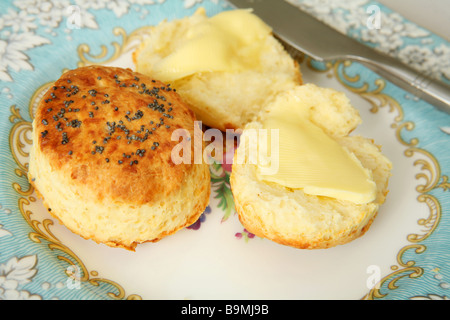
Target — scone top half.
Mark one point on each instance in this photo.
(225, 98)
(102, 146)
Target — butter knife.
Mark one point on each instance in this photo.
(303, 32)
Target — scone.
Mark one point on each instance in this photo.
(293, 217)
(225, 97)
(101, 157)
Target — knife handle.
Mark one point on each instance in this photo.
(420, 85)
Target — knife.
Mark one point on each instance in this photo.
(303, 32)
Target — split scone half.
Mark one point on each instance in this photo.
(225, 67)
(335, 212)
(102, 161)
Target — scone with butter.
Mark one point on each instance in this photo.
(101, 157)
(305, 182)
(225, 67)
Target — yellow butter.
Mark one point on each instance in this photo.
(310, 160)
(229, 41)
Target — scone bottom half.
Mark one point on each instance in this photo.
(297, 217)
(101, 157)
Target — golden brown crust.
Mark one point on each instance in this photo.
(111, 122)
(299, 75)
(203, 198)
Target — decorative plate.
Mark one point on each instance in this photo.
(404, 255)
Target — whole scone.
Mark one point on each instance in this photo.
(292, 217)
(101, 157)
(222, 100)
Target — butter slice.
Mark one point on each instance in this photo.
(229, 41)
(312, 161)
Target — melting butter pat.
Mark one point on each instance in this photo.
(229, 41)
(310, 160)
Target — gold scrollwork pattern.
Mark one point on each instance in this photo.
(404, 269)
(429, 177)
(129, 43)
(20, 142)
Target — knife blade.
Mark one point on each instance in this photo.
(305, 33)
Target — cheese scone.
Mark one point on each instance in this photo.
(320, 201)
(226, 68)
(101, 157)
